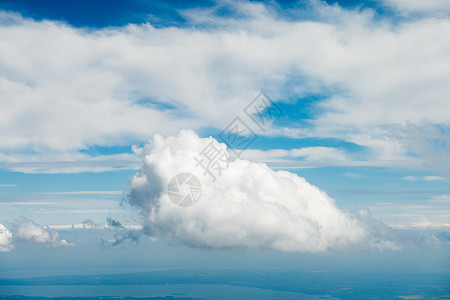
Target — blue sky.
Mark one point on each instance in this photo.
(363, 89)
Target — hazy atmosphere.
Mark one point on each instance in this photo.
(225, 149)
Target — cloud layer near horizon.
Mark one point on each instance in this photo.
(24, 230)
(249, 205)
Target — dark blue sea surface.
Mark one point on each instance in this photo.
(236, 284)
(182, 291)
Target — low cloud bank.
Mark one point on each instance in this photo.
(249, 205)
(27, 231)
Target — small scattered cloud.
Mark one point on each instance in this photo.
(88, 224)
(31, 203)
(434, 178)
(79, 211)
(27, 231)
(326, 154)
(121, 235)
(85, 193)
(444, 199)
(425, 223)
(424, 178)
(24, 230)
(435, 210)
(114, 223)
(8, 185)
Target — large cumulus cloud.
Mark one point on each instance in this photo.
(249, 205)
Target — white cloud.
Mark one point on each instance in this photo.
(249, 205)
(113, 86)
(5, 239)
(425, 178)
(425, 223)
(307, 153)
(443, 199)
(85, 193)
(16, 203)
(397, 163)
(79, 211)
(51, 162)
(433, 178)
(25, 230)
(313, 157)
(435, 6)
(435, 210)
(91, 225)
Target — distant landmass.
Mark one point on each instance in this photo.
(225, 283)
(95, 298)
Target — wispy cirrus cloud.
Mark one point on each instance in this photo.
(444, 199)
(30, 203)
(85, 193)
(418, 6)
(425, 178)
(51, 162)
(307, 153)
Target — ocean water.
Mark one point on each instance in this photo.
(189, 291)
